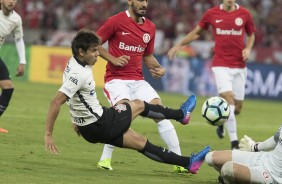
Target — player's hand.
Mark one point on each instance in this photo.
(246, 54)
(157, 72)
(20, 70)
(171, 53)
(121, 61)
(75, 128)
(247, 144)
(50, 145)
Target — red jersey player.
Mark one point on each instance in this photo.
(130, 38)
(230, 24)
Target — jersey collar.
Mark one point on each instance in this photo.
(236, 6)
(79, 62)
(128, 15)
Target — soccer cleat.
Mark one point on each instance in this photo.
(179, 169)
(105, 164)
(220, 131)
(196, 160)
(187, 107)
(2, 130)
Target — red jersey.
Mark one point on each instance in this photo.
(229, 30)
(126, 37)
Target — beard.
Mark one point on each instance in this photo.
(139, 12)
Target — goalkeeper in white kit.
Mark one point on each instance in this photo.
(255, 162)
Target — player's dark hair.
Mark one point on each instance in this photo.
(84, 39)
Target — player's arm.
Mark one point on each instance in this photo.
(192, 35)
(249, 45)
(117, 61)
(53, 111)
(154, 66)
(21, 53)
(248, 144)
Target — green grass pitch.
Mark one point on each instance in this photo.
(23, 159)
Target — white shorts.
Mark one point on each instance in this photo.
(231, 79)
(254, 161)
(117, 89)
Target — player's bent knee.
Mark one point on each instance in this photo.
(227, 172)
(139, 104)
(208, 158)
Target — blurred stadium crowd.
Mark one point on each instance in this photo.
(53, 22)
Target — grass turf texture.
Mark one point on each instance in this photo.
(23, 158)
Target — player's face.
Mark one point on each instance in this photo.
(229, 3)
(90, 56)
(139, 7)
(8, 5)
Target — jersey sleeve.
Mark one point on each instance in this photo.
(249, 27)
(150, 47)
(18, 30)
(107, 30)
(72, 83)
(205, 21)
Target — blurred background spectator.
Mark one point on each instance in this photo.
(53, 22)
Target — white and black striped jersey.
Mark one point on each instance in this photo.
(79, 86)
(10, 24)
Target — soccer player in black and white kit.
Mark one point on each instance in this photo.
(99, 124)
(10, 22)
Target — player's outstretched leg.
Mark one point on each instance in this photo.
(160, 112)
(196, 160)
(187, 107)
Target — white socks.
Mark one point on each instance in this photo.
(169, 136)
(107, 151)
(231, 125)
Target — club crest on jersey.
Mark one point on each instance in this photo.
(238, 21)
(146, 38)
(120, 107)
(265, 175)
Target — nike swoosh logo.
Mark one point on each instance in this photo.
(124, 33)
(116, 97)
(225, 108)
(218, 21)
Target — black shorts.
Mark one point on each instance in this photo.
(4, 73)
(110, 128)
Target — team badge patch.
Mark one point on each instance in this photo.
(120, 107)
(265, 175)
(238, 21)
(146, 38)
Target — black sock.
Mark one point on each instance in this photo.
(5, 99)
(163, 155)
(161, 112)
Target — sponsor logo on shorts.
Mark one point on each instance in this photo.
(120, 107)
